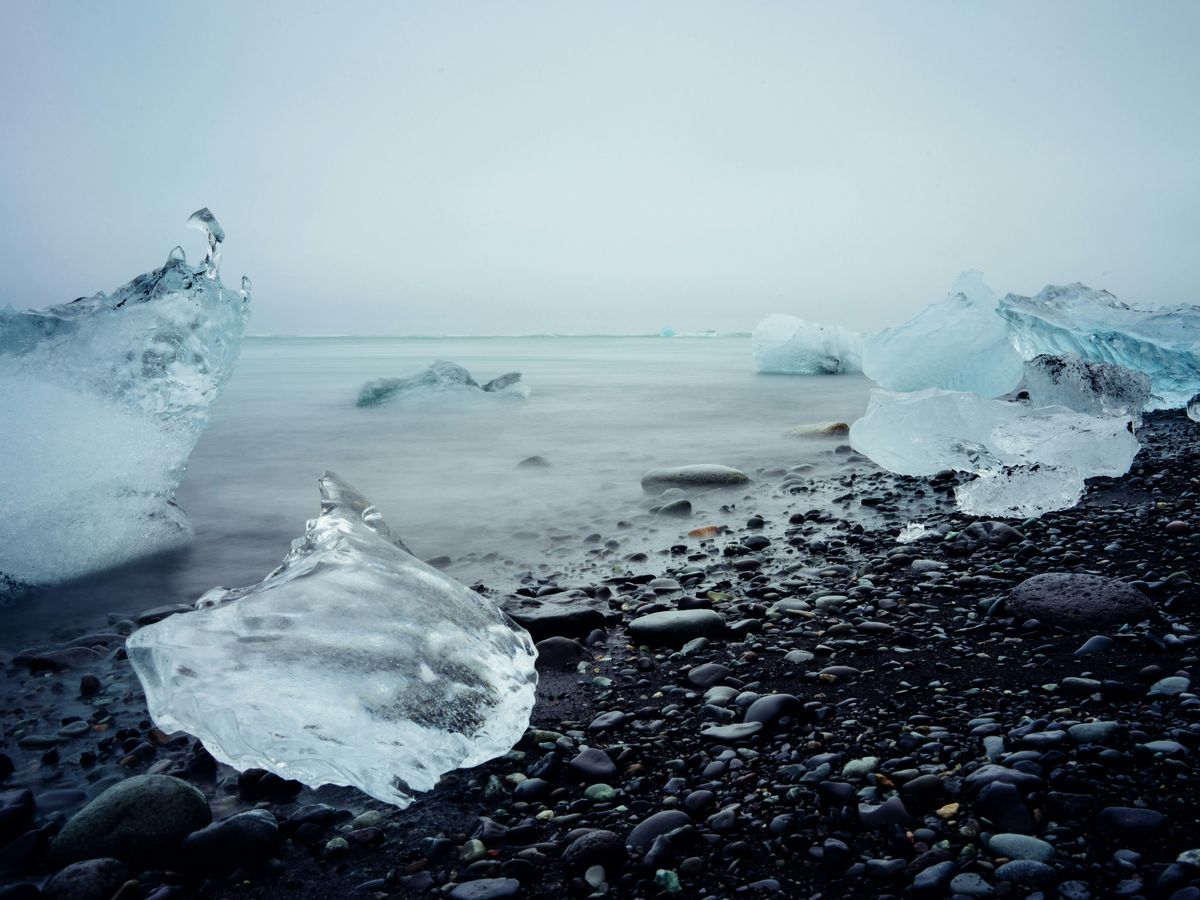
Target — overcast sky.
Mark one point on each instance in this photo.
(507, 167)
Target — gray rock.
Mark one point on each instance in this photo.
(676, 627)
(680, 509)
(1021, 846)
(558, 615)
(699, 476)
(93, 879)
(487, 889)
(658, 824)
(248, 837)
(137, 821)
(1078, 601)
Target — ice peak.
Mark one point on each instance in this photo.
(339, 500)
(204, 220)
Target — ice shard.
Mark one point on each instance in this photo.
(786, 345)
(353, 663)
(102, 400)
(1163, 342)
(1029, 461)
(1102, 389)
(957, 344)
(439, 381)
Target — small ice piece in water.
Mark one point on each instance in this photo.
(913, 531)
(1193, 409)
(438, 380)
(247, 287)
(1044, 453)
(102, 400)
(957, 344)
(353, 663)
(786, 345)
(203, 220)
(1102, 389)
(1163, 342)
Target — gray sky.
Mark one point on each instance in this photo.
(488, 167)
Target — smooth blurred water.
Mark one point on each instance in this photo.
(443, 470)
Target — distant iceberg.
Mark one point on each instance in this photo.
(1163, 342)
(1029, 461)
(102, 401)
(786, 345)
(439, 378)
(957, 344)
(352, 663)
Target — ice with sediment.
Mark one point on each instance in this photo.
(957, 344)
(1028, 460)
(353, 663)
(1163, 342)
(102, 400)
(1102, 389)
(787, 345)
(439, 380)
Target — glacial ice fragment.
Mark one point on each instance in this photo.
(102, 400)
(1102, 389)
(1163, 342)
(203, 220)
(1031, 460)
(439, 379)
(353, 663)
(1193, 409)
(786, 345)
(957, 344)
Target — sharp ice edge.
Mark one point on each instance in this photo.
(438, 381)
(1163, 342)
(353, 663)
(1193, 408)
(102, 401)
(786, 345)
(1102, 389)
(957, 344)
(1029, 461)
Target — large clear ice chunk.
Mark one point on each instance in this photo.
(957, 344)
(786, 345)
(1163, 342)
(1102, 389)
(102, 400)
(1029, 460)
(353, 663)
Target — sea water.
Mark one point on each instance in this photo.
(443, 470)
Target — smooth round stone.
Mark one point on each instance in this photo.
(93, 879)
(1020, 846)
(706, 675)
(1130, 822)
(798, 657)
(773, 707)
(593, 765)
(75, 729)
(137, 821)
(600, 793)
(1094, 732)
(247, 837)
(677, 627)
(970, 884)
(858, 769)
(1169, 687)
(738, 732)
(695, 476)
(1096, 644)
(1028, 872)
(658, 824)
(679, 509)
(487, 889)
(1078, 601)
(594, 848)
(935, 878)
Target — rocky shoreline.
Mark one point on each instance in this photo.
(801, 707)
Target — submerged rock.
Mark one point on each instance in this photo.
(438, 378)
(352, 663)
(697, 476)
(818, 430)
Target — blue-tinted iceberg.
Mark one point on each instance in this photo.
(102, 401)
(353, 663)
(958, 344)
(439, 380)
(1102, 389)
(1163, 342)
(786, 345)
(1028, 460)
